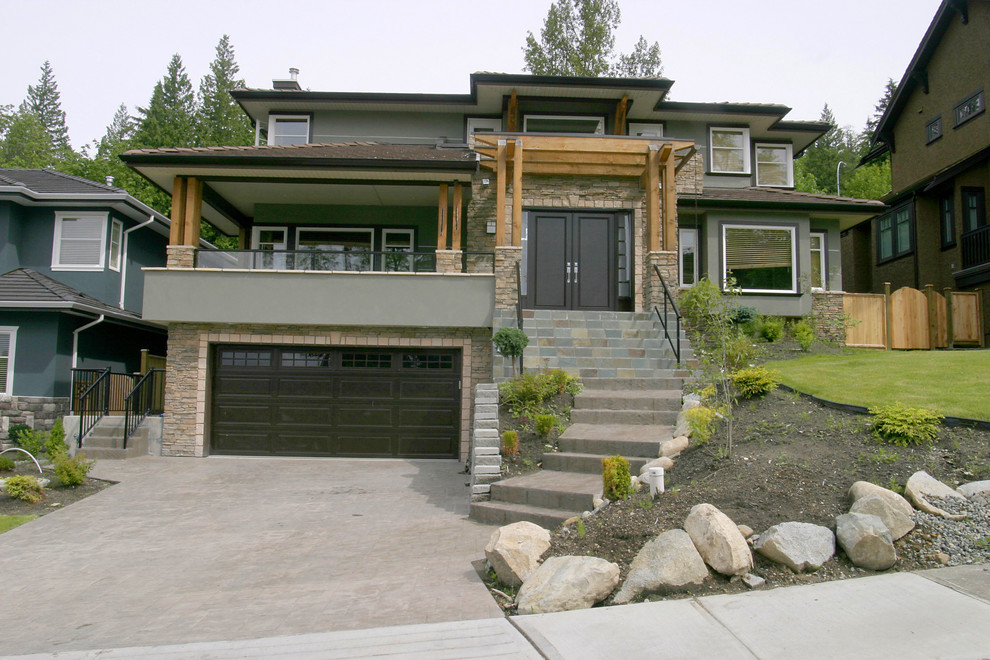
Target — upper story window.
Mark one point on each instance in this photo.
(729, 150)
(563, 124)
(116, 233)
(8, 339)
(483, 125)
(819, 260)
(80, 241)
(643, 129)
(288, 129)
(969, 107)
(761, 259)
(974, 208)
(933, 130)
(894, 233)
(774, 165)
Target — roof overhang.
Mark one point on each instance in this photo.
(121, 202)
(847, 213)
(67, 306)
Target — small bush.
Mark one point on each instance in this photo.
(701, 421)
(616, 482)
(544, 424)
(771, 328)
(16, 429)
(526, 394)
(31, 441)
(24, 487)
(563, 381)
(55, 443)
(744, 314)
(71, 471)
(903, 425)
(755, 381)
(510, 443)
(803, 333)
(6, 464)
(510, 342)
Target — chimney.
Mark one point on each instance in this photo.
(294, 73)
(292, 83)
(109, 180)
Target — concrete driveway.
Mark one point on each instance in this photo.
(186, 550)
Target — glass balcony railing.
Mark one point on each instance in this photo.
(351, 261)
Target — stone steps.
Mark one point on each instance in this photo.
(587, 463)
(106, 440)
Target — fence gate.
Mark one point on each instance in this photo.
(867, 311)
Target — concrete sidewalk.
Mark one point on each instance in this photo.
(944, 613)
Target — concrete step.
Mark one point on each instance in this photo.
(567, 491)
(504, 513)
(628, 399)
(612, 373)
(603, 362)
(663, 380)
(610, 439)
(605, 416)
(586, 463)
(134, 449)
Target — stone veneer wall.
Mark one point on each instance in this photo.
(38, 412)
(829, 315)
(187, 378)
(180, 256)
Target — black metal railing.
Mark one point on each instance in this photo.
(519, 315)
(477, 262)
(353, 261)
(147, 398)
(675, 342)
(975, 247)
(93, 402)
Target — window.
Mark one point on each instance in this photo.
(563, 124)
(116, 232)
(641, 129)
(819, 250)
(337, 249)
(933, 130)
(969, 107)
(729, 150)
(974, 208)
(8, 338)
(687, 249)
(288, 129)
(483, 125)
(760, 258)
(269, 239)
(774, 165)
(395, 242)
(894, 233)
(245, 357)
(947, 220)
(80, 241)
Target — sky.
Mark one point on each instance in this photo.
(799, 53)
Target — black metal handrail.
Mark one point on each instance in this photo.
(519, 316)
(93, 404)
(667, 297)
(975, 247)
(147, 398)
(357, 261)
(473, 260)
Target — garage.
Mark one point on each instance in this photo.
(353, 402)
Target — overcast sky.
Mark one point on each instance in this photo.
(796, 52)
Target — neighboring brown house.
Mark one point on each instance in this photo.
(937, 134)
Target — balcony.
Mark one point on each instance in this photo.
(342, 261)
(975, 248)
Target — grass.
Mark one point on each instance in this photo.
(10, 522)
(952, 382)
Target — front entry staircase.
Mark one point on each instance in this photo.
(630, 401)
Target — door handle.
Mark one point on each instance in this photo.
(567, 270)
(575, 272)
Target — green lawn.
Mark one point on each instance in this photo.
(10, 522)
(955, 383)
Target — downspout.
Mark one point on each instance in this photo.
(123, 257)
(75, 339)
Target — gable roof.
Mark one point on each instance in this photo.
(53, 182)
(26, 288)
(850, 210)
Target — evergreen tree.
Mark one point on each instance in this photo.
(44, 101)
(25, 143)
(221, 121)
(169, 119)
(889, 89)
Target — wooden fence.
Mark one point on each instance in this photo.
(913, 319)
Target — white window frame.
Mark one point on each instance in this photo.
(794, 261)
(256, 236)
(822, 257)
(116, 240)
(8, 386)
(789, 163)
(273, 122)
(599, 130)
(486, 124)
(680, 256)
(747, 169)
(61, 216)
(269, 261)
(645, 129)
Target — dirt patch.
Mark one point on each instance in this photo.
(532, 446)
(55, 496)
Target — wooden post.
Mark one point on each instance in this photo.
(242, 238)
(653, 198)
(932, 316)
(517, 193)
(194, 210)
(500, 193)
(512, 123)
(979, 318)
(442, 218)
(669, 201)
(455, 240)
(620, 116)
(889, 334)
(178, 211)
(949, 330)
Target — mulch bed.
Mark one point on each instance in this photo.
(55, 496)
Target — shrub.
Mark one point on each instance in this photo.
(616, 482)
(511, 342)
(803, 333)
(6, 464)
(31, 441)
(903, 425)
(24, 487)
(55, 443)
(563, 381)
(701, 421)
(71, 471)
(744, 314)
(544, 424)
(526, 394)
(771, 328)
(16, 429)
(755, 381)
(510, 443)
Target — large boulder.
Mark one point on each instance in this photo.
(514, 551)
(567, 583)
(866, 540)
(799, 546)
(668, 563)
(718, 540)
(663, 462)
(862, 489)
(922, 486)
(881, 507)
(975, 488)
(672, 448)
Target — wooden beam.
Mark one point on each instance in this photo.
(590, 143)
(455, 240)
(578, 169)
(653, 199)
(178, 211)
(620, 116)
(512, 125)
(669, 203)
(685, 158)
(500, 194)
(517, 194)
(193, 211)
(442, 218)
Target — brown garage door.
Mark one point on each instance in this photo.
(295, 401)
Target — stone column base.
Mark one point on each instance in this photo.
(506, 286)
(449, 261)
(180, 256)
(829, 316)
(666, 261)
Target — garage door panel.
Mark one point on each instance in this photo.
(306, 415)
(427, 390)
(427, 418)
(243, 414)
(242, 442)
(362, 389)
(364, 445)
(427, 445)
(308, 387)
(364, 416)
(303, 444)
(245, 385)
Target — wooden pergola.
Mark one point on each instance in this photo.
(655, 161)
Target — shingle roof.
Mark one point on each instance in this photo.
(50, 181)
(24, 285)
(357, 150)
(754, 196)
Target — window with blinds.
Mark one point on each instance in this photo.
(760, 259)
(80, 241)
(7, 336)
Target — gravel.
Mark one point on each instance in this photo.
(964, 541)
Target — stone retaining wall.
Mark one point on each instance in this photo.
(38, 412)
(829, 316)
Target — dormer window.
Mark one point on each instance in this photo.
(774, 165)
(729, 152)
(288, 129)
(563, 124)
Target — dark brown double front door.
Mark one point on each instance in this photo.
(572, 260)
